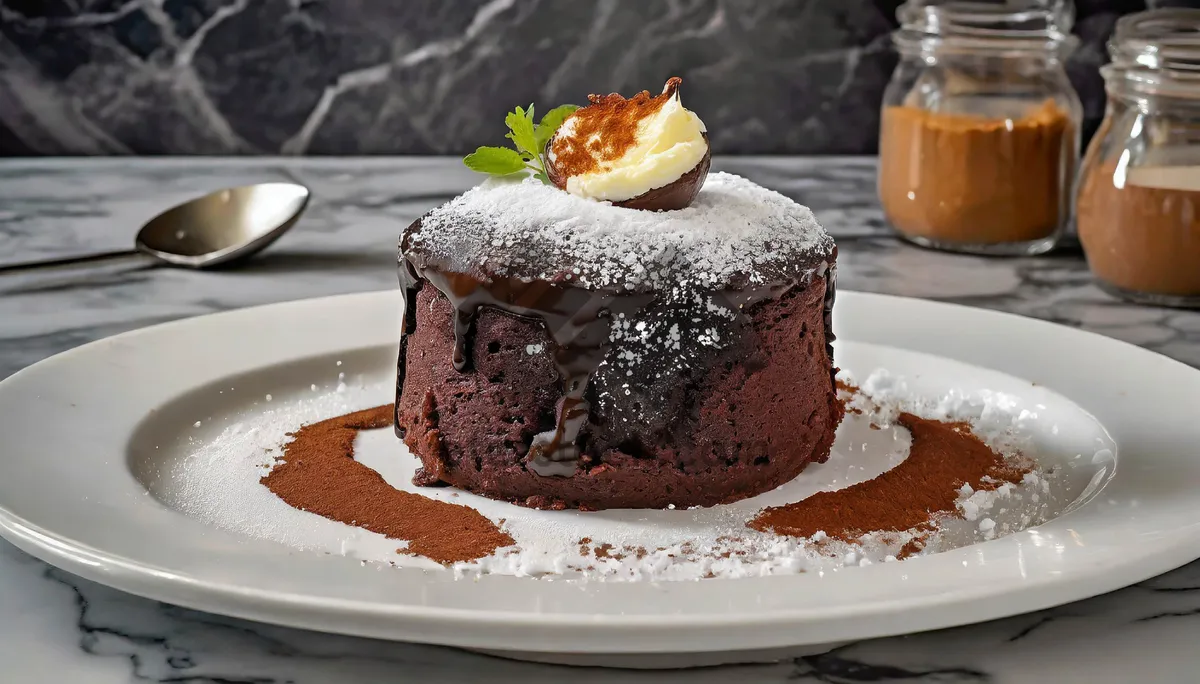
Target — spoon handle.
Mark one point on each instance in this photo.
(34, 274)
(68, 262)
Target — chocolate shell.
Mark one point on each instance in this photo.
(552, 173)
(677, 194)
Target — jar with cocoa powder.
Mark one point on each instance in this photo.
(1138, 201)
(979, 131)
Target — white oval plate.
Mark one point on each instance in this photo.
(69, 494)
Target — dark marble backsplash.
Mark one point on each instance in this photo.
(436, 76)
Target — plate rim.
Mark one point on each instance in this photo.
(131, 575)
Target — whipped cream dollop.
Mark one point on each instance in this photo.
(617, 149)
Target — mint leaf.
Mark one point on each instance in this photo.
(498, 161)
(550, 123)
(520, 123)
(530, 141)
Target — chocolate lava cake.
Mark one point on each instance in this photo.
(621, 330)
(562, 352)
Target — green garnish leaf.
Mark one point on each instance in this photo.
(550, 123)
(529, 141)
(520, 123)
(497, 161)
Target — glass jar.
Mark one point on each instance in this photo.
(979, 132)
(1138, 197)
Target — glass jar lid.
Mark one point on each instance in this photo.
(1016, 26)
(1156, 52)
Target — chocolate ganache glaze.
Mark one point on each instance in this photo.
(663, 289)
(578, 320)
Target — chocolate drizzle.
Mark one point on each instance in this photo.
(579, 321)
(829, 270)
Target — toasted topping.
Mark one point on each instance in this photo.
(616, 149)
(605, 130)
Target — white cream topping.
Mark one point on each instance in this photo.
(669, 144)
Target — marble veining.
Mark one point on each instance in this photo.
(56, 627)
(436, 76)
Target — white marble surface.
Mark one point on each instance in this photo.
(57, 628)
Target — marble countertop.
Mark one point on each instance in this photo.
(56, 627)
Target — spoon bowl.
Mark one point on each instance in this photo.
(219, 228)
(222, 226)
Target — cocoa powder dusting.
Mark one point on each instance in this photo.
(943, 457)
(845, 386)
(605, 129)
(851, 391)
(317, 473)
(910, 548)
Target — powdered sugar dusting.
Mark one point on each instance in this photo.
(215, 477)
(734, 232)
(715, 542)
(998, 420)
(995, 417)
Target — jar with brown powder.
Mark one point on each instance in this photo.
(980, 126)
(1138, 203)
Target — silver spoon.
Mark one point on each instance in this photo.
(218, 228)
